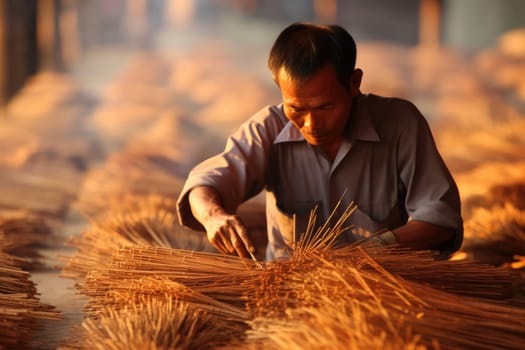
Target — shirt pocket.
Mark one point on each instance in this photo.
(298, 213)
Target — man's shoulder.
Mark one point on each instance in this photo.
(266, 124)
(269, 113)
(269, 120)
(389, 102)
(393, 108)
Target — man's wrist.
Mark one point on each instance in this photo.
(387, 238)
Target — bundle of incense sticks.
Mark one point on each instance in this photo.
(19, 305)
(22, 235)
(495, 235)
(134, 291)
(293, 284)
(335, 324)
(217, 276)
(155, 322)
(459, 277)
(397, 296)
(123, 203)
(128, 173)
(36, 191)
(396, 309)
(149, 222)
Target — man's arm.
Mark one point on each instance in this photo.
(432, 197)
(422, 235)
(225, 231)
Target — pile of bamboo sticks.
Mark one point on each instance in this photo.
(496, 235)
(155, 323)
(359, 287)
(230, 288)
(22, 235)
(20, 307)
(41, 193)
(129, 221)
(124, 175)
(387, 297)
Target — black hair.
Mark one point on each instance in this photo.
(302, 48)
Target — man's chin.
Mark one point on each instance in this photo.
(315, 141)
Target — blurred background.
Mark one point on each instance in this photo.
(105, 102)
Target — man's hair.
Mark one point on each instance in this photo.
(302, 48)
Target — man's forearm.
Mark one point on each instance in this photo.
(205, 202)
(422, 235)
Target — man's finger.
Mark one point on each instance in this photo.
(225, 236)
(238, 244)
(219, 245)
(245, 238)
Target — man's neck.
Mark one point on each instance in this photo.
(331, 149)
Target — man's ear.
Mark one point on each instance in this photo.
(355, 80)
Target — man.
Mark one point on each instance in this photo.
(327, 142)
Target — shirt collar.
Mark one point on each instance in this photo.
(360, 128)
(289, 133)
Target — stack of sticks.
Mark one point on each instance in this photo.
(21, 235)
(155, 323)
(144, 174)
(496, 236)
(358, 296)
(44, 192)
(309, 297)
(129, 221)
(20, 307)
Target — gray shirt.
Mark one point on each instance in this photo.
(388, 165)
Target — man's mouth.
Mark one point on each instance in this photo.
(317, 136)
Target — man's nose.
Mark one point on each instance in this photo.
(310, 121)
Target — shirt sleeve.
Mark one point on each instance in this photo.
(432, 195)
(240, 171)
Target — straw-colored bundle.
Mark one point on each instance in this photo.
(129, 173)
(335, 324)
(217, 276)
(495, 142)
(116, 122)
(45, 132)
(477, 183)
(135, 221)
(215, 294)
(155, 323)
(397, 311)
(40, 193)
(459, 277)
(19, 306)
(397, 306)
(513, 193)
(118, 295)
(21, 236)
(495, 235)
(393, 294)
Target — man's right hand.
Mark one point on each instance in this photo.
(225, 231)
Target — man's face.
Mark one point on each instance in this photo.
(319, 106)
